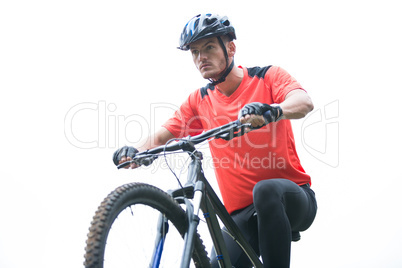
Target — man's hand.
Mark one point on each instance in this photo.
(253, 113)
(124, 154)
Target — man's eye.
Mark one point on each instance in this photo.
(194, 52)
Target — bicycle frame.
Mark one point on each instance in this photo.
(205, 200)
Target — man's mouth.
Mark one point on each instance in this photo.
(205, 65)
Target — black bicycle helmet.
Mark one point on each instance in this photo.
(205, 26)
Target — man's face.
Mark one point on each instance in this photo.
(208, 57)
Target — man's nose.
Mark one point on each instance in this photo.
(202, 56)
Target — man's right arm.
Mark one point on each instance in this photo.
(159, 138)
(175, 125)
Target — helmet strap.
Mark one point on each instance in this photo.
(228, 67)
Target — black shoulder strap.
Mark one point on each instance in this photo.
(258, 71)
(204, 90)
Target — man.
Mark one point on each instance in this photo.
(263, 185)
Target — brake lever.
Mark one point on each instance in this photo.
(144, 161)
(125, 164)
(147, 160)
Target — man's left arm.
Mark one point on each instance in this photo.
(297, 104)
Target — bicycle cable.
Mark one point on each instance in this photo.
(190, 153)
(164, 156)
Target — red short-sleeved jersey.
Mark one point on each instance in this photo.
(266, 153)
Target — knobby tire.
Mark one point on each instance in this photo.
(123, 197)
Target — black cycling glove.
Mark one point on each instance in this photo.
(127, 151)
(274, 114)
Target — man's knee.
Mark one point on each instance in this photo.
(267, 187)
(267, 192)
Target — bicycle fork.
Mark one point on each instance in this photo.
(192, 212)
(163, 228)
(193, 220)
(201, 202)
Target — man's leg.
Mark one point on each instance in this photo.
(282, 207)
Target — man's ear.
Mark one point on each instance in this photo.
(231, 48)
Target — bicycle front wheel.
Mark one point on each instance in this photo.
(124, 228)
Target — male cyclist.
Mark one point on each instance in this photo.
(263, 185)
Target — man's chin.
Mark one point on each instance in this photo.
(208, 76)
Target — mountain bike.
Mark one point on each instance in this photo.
(173, 216)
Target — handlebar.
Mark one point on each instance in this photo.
(226, 132)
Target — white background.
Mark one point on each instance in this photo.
(80, 78)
